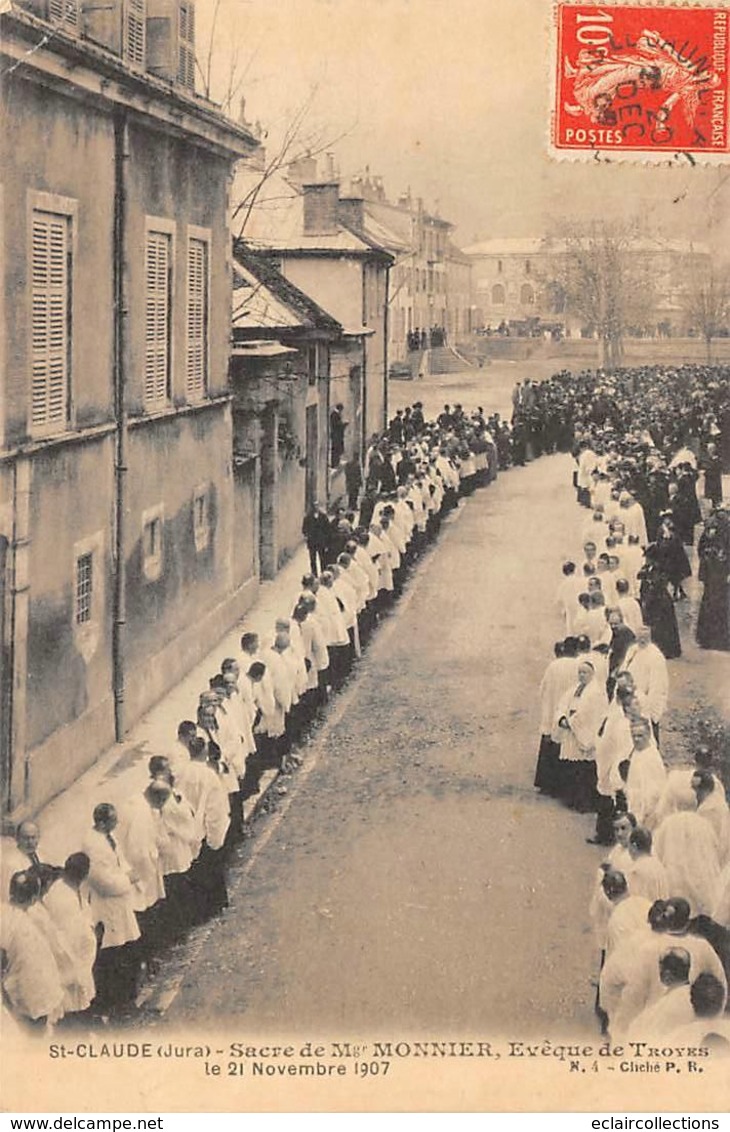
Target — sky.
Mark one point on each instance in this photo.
(449, 98)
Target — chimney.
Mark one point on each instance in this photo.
(352, 212)
(320, 208)
(304, 170)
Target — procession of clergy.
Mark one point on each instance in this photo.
(660, 907)
(77, 939)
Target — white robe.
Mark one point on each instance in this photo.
(670, 1011)
(640, 971)
(12, 861)
(614, 744)
(687, 847)
(647, 877)
(182, 844)
(566, 600)
(203, 789)
(560, 678)
(634, 522)
(721, 908)
(648, 666)
(645, 783)
(631, 611)
(31, 979)
(110, 889)
(714, 810)
(71, 916)
(142, 836)
(585, 713)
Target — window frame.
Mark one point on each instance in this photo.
(65, 208)
(87, 633)
(160, 226)
(202, 236)
(201, 531)
(153, 563)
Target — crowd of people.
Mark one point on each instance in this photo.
(419, 339)
(76, 938)
(79, 938)
(661, 901)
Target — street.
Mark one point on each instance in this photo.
(416, 879)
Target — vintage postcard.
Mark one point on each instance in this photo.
(364, 466)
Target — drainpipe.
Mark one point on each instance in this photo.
(386, 330)
(364, 376)
(121, 158)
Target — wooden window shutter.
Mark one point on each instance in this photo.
(50, 319)
(65, 12)
(186, 44)
(157, 321)
(135, 12)
(197, 328)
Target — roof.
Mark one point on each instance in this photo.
(519, 246)
(545, 245)
(261, 348)
(276, 223)
(263, 299)
(183, 111)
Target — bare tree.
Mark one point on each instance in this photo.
(603, 279)
(287, 141)
(707, 302)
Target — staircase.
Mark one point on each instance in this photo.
(445, 359)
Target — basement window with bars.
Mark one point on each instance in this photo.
(50, 321)
(158, 318)
(84, 588)
(198, 313)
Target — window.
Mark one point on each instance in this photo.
(498, 295)
(84, 588)
(50, 320)
(186, 49)
(87, 594)
(134, 32)
(312, 365)
(528, 267)
(64, 12)
(152, 528)
(158, 278)
(500, 267)
(197, 318)
(201, 518)
(527, 294)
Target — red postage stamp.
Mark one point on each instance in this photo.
(641, 78)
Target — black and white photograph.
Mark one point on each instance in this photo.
(364, 556)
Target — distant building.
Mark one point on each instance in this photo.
(511, 281)
(313, 238)
(280, 375)
(431, 277)
(120, 564)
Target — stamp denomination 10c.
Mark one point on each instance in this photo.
(641, 79)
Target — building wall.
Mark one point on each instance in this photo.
(508, 287)
(334, 283)
(171, 462)
(40, 131)
(69, 711)
(175, 181)
(374, 294)
(61, 491)
(346, 388)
